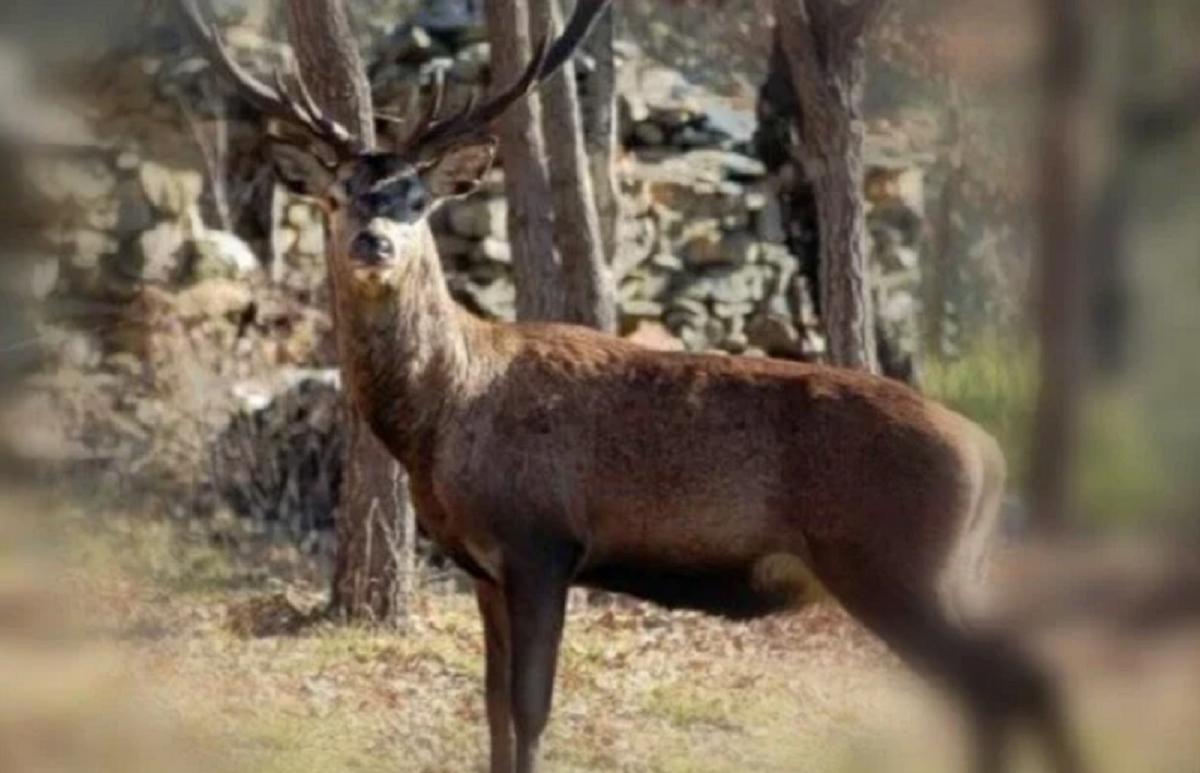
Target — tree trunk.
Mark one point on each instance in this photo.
(576, 222)
(938, 274)
(373, 566)
(1060, 312)
(599, 109)
(824, 44)
(541, 289)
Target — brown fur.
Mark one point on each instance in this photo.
(542, 455)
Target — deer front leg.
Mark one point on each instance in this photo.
(492, 609)
(536, 596)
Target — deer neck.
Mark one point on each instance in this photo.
(404, 348)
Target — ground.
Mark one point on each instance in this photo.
(128, 643)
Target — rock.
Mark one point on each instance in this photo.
(734, 286)
(102, 215)
(776, 334)
(687, 307)
(479, 217)
(472, 64)
(301, 215)
(80, 352)
(171, 191)
(160, 248)
(72, 180)
(672, 117)
(642, 308)
(451, 16)
(311, 240)
(411, 44)
(218, 254)
(737, 126)
(695, 338)
(664, 89)
(134, 214)
(691, 137)
(281, 461)
(488, 272)
(667, 260)
(702, 243)
(212, 298)
(655, 335)
(740, 248)
(493, 250)
(42, 278)
(498, 299)
(736, 340)
(768, 222)
(649, 133)
(636, 241)
(89, 247)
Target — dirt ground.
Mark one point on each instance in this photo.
(132, 644)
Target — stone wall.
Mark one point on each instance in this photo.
(212, 279)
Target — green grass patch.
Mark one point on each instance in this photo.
(995, 384)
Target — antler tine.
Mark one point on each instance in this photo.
(277, 101)
(437, 99)
(471, 120)
(546, 60)
(580, 25)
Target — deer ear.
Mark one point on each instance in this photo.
(301, 171)
(459, 170)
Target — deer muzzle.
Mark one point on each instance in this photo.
(371, 249)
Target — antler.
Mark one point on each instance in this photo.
(278, 101)
(432, 133)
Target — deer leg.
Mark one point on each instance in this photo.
(493, 610)
(536, 595)
(997, 682)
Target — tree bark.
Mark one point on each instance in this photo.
(599, 109)
(824, 44)
(537, 269)
(374, 563)
(576, 221)
(1060, 311)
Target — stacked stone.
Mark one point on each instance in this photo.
(235, 288)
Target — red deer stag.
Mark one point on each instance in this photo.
(544, 455)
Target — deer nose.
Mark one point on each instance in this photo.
(372, 249)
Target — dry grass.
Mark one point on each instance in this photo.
(147, 673)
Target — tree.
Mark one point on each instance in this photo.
(541, 291)
(1061, 289)
(599, 109)
(576, 222)
(373, 567)
(824, 43)
(558, 249)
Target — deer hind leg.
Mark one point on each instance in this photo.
(996, 682)
(536, 596)
(494, 611)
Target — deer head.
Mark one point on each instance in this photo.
(381, 197)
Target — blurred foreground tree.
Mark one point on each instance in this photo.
(824, 43)
(1061, 278)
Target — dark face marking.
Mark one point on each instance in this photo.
(382, 194)
(386, 187)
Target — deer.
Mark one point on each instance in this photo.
(543, 456)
